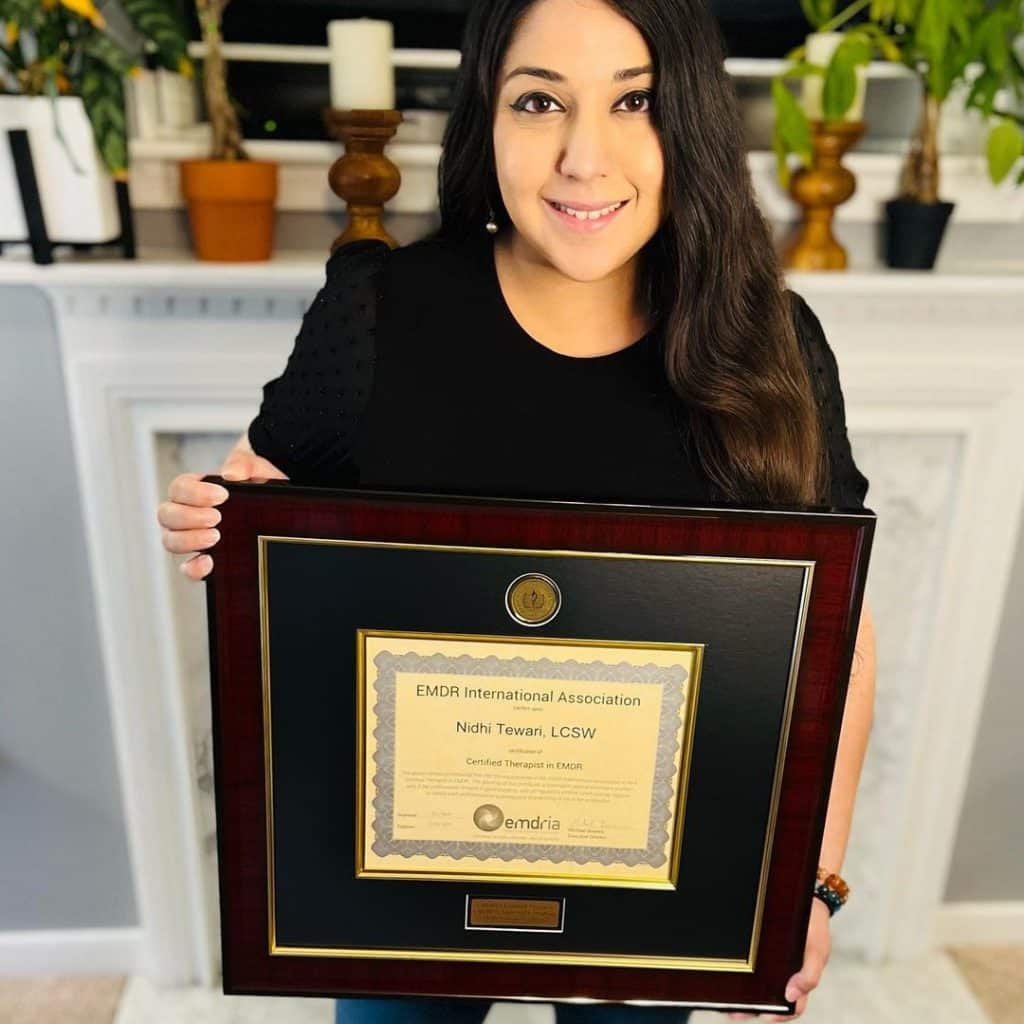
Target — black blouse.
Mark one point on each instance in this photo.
(410, 372)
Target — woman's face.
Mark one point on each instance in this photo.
(567, 130)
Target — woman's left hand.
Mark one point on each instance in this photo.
(816, 954)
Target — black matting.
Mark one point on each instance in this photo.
(745, 613)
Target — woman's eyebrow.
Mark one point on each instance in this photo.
(554, 76)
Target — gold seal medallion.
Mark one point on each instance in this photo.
(533, 599)
(488, 817)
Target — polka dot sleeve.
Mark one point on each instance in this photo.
(309, 415)
(849, 485)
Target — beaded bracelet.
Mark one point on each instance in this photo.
(831, 890)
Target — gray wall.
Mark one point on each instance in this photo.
(989, 848)
(63, 851)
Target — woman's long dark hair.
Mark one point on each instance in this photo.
(710, 277)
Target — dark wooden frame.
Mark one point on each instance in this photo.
(839, 542)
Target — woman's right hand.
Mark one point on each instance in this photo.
(190, 517)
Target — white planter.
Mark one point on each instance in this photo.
(77, 195)
(176, 100)
(141, 105)
(820, 47)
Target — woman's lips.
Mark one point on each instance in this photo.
(583, 226)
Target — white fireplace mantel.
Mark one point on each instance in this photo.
(932, 367)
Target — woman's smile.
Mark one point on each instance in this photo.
(584, 222)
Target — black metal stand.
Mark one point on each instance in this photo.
(28, 185)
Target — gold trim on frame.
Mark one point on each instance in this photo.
(527, 956)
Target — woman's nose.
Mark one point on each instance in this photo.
(587, 150)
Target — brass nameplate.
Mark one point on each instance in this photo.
(539, 915)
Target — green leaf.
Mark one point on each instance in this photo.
(840, 86)
(1017, 66)
(1004, 149)
(979, 38)
(882, 10)
(781, 166)
(942, 74)
(983, 91)
(802, 69)
(958, 19)
(885, 43)
(859, 46)
(24, 12)
(103, 95)
(907, 11)
(932, 29)
(791, 122)
(103, 49)
(158, 21)
(817, 12)
(997, 46)
(890, 49)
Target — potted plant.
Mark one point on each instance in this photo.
(230, 197)
(832, 66)
(61, 79)
(947, 44)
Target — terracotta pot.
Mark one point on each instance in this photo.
(231, 208)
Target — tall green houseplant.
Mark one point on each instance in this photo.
(65, 48)
(946, 44)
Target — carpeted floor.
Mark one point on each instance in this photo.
(65, 1000)
(994, 974)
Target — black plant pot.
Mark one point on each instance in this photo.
(914, 232)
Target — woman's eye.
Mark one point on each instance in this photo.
(523, 102)
(643, 94)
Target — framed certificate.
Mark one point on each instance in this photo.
(560, 760)
(507, 748)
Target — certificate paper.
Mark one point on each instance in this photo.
(523, 759)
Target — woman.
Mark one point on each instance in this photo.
(600, 316)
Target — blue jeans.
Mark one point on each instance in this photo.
(473, 1011)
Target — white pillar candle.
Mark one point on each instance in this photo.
(820, 47)
(362, 71)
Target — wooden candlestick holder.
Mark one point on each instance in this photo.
(820, 189)
(363, 176)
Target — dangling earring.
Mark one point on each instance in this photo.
(491, 225)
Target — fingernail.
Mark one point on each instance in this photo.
(231, 474)
(215, 534)
(792, 992)
(221, 493)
